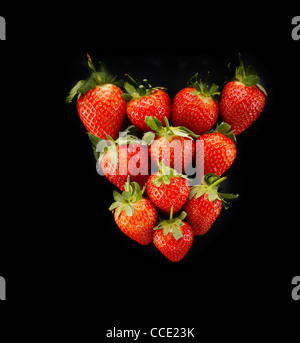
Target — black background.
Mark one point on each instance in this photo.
(60, 248)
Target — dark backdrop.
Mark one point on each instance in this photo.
(62, 248)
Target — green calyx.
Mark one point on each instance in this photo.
(165, 175)
(137, 89)
(131, 195)
(97, 78)
(224, 129)
(101, 146)
(248, 77)
(167, 131)
(202, 86)
(172, 225)
(210, 184)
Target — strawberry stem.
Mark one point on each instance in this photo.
(209, 185)
(128, 183)
(171, 213)
(90, 63)
(213, 185)
(173, 224)
(248, 77)
(168, 131)
(242, 70)
(131, 195)
(136, 89)
(97, 78)
(202, 86)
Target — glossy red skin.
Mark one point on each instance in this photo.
(165, 196)
(219, 153)
(169, 247)
(201, 213)
(174, 156)
(139, 226)
(102, 110)
(158, 104)
(133, 161)
(240, 105)
(196, 112)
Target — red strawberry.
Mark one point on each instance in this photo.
(174, 145)
(194, 106)
(135, 215)
(173, 237)
(205, 203)
(153, 102)
(168, 189)
(219, 151)
(100, 105)
(127, 156)
(242, 100)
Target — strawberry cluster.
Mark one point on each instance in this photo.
(148, 170)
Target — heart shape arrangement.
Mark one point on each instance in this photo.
(146, 161)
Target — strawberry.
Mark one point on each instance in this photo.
(144, 100)
(205, 203)
(168, 189)
(173, 237)
(242, 100)
(219, 150)
(100, 105)
(127, 156)
(174, 145)
(135, 215)
(194, 106)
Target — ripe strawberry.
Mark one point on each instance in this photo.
(219, 150)
(173, 237)
(205, 203)
(194, 106)
(100, 105)
(135, 215)
(174, 145)
(127, 156)
(168, 189)
(144, 102)
(242, 100)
